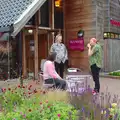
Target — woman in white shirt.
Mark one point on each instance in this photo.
(62, 54)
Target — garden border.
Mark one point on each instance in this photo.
(110, 76)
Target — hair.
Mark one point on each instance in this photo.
(56, 37)
(52, 56)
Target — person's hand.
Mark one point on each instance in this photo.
(88, 45)
(61, 78)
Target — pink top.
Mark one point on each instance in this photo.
(49, 70)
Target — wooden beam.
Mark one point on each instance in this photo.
(53, 10)
(48, 38)
(36, 52)
(36, 64)
(51, 17)
(64, 37)
(53, 14)
(24, 56)
(39, 16)
(50, 13)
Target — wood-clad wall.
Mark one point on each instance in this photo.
(79, 14)
(113, 55)
(111, 10)
(111, 46)
(115, 14)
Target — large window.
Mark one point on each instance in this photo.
(58, 18)
(44, 14)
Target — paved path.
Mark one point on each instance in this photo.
(113, 85)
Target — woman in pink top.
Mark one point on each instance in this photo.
(50, 74)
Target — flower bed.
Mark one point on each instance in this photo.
(30, 104)
(27, 103)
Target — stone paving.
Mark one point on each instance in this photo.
(108, 84)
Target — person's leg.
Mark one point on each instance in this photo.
(97, 79)
(49, 81)
(95, 73)
(57, 67)
(61, 69)
(61, 84)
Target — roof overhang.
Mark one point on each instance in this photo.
(26, 16)
(8, 29)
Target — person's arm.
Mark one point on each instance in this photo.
(58, 75)
(65, 54)
(52, 48)
(91, 51)
(51, 71)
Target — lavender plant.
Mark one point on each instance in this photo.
(94, 107)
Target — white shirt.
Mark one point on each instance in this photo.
(61, 51)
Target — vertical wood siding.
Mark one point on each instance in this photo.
(111, 47)
(81, 14)
(113, 55)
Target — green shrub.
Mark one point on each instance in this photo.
(29, 104)
(114, 73)
(41, 111)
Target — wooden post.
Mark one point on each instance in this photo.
(36, 52)
(50, 13)
(48, 44)
(51, 16)
(36, 64)
(64, 37)
(24, 56)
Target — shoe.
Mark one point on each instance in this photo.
(94, 92)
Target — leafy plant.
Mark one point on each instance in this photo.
(114, 73)
(29, 104)
(94, 107)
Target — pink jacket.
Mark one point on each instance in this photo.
(49, 70)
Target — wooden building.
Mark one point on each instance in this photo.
(34, 23)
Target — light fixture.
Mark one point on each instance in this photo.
(57, 3)
(30, 31)
(105, 34)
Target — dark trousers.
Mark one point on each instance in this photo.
(95, 73)
(60, 84)
(60, 68)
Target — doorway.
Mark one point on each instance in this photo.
(42, 51)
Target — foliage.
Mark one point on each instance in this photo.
(29, 104)
(114, 73)
(56, 95)
(94, 107)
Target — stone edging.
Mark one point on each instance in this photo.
(110, 76)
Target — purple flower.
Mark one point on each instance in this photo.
(116, 117)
